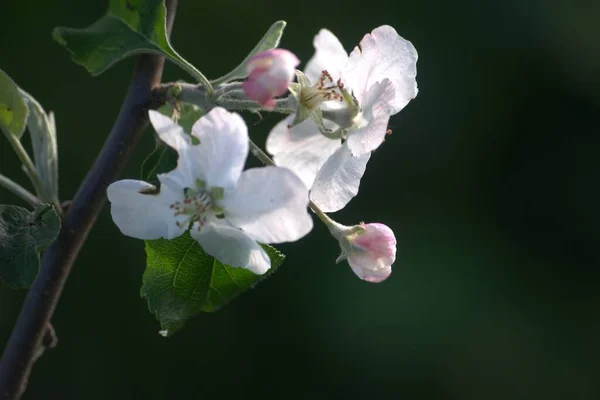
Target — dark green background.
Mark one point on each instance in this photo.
(489, 182)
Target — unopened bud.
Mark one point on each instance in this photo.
(370, 250)
(269, 76)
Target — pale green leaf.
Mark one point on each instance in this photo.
(129, 27)
(42, 129)
(13, 110)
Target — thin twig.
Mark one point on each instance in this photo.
(19, 191)
(30, 329)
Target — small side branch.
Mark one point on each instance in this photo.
(19, 190)
(229, 96)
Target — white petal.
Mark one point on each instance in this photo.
(329, 55)
(184, 175)
(376, 115)
(337, 182)
(220, 157)
(367, 269)
(384, 54)
(173, 135)
(144, 216)
(270, 204)
(168, 131)
(231, 246)
(302, 148)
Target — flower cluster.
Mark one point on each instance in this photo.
(343, 103)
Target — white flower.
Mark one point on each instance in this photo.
(269, 76)
(369, 248)
(350, 101)
(227, 210)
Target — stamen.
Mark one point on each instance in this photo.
(195, 205)
(328, 88)
(325, 89)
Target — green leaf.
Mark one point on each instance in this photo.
(42, 128)
(181, 280)
(23, 235)
(269, 41)
(17, 110)
(163, 158)
(13, 110)
(129, 27)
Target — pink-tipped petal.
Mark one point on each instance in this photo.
(371, 252)
(269, 76)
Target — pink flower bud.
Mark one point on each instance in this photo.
(370, 251)
(269, 76)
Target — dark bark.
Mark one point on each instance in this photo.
(28, 337)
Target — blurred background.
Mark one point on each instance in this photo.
(489, 182)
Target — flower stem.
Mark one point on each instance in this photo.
(189, 68)
(322, 216)
(19, 191)
(228, 96)
(281, 105)
(227, 88)
(29, 169)
(261, 155)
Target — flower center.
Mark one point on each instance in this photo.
(324, 90)
(196, 205)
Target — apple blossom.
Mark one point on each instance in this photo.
(369, 248)
(269, 76)
(227, 210)
(344, 105)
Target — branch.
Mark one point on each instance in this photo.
(227, 96)
(27, 337)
